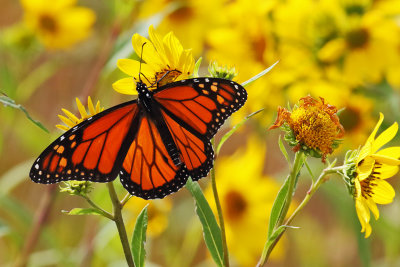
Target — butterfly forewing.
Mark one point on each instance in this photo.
(92, 150)
(201, 105)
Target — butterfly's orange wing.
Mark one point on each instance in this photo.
(148, 171)
(194, 110)
(92, 150)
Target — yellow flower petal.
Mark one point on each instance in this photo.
(365, 168)
(150, 55)
(92, 111)
(393, 152)
(365, 151)
(62, 127)
(385, 137)
(385, 159)
(125, 86)
(129, 66)
(378, 124)
(332, 50)
(71, 116)
(67, 121)
(362, 213)
(81, 108)
(374, 209)
(383, 192)
(386, 171)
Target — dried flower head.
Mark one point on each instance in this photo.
(312, 127)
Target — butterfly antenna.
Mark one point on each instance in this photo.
(141, 58)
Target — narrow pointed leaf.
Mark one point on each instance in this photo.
(5, 100)
(211, 230)
(283, 150)
(234, 129)
(139, 238)
(82, 211)
(251, 80)
(277, 207)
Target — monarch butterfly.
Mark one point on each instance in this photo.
(153, 142)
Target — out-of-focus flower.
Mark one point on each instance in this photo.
(157, 213)
(364, 46)
(59, 24)
(71, 120)
(372, 167)
(356, 117)
(164, 58)
(246, 196)
(312, 127)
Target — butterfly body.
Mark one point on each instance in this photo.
(153, 143)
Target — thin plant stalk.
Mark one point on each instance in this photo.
(220, 215)
(298, 163)
(119, 221)
(313, 188)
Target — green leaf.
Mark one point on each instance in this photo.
(234, 129)
(283, 150)
(11, 103)
(139, 238)
(211, 230)
(83, 211)
(251, 80)
(197, 67)
(276, 210)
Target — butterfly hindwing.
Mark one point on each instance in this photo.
(148, 170)
(92, 150)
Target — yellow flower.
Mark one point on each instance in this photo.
(364, 46)
(313, 127)
(71, 120)
(58, 24)
(372, 168)
(164, 57)
(246, 196)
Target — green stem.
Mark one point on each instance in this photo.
(125, 199)
(298, 163)
(119, 221)
(102, 211)
(314, 187)
(220, 216)
(299, 160)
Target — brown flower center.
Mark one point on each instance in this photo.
(236, 205)
(350, 119)
(48, 23)
(357, 38)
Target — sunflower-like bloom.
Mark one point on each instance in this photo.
(164, 58)
(58, 24)
(71, 120)
(312, 127)
(372, 167)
